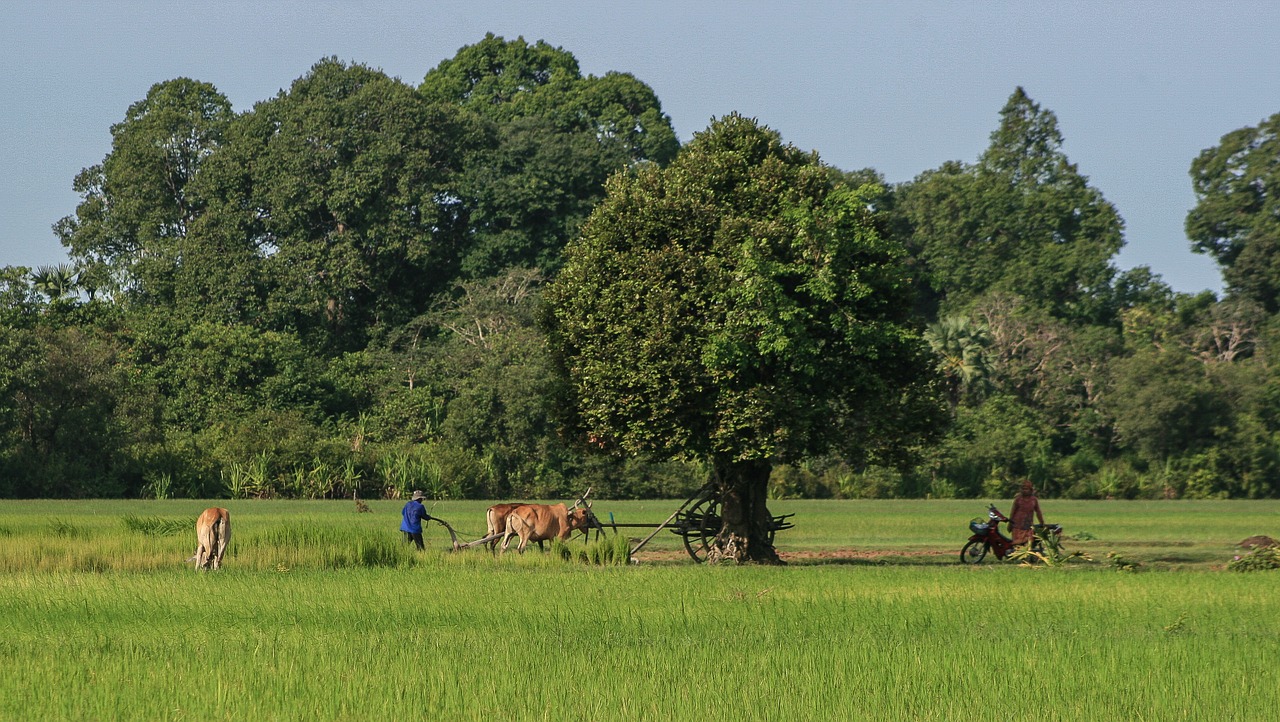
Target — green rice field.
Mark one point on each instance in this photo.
(323, 613)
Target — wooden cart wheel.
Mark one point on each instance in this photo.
(699, 525)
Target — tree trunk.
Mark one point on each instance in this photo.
(744, 531)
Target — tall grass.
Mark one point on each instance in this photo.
(145, 535)
(156, 525)
(612, 550)
(509, 641)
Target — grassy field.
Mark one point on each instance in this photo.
(322, 613)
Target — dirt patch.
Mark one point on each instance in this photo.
(860, 554)
(1259, 542)
(829, 556)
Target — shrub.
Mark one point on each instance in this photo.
(1259, 559)
(611, 551)
(876, 482)
(443, 470)
(1123, 564)
(159, 486)
(637, 478)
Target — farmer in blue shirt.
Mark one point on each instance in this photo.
(414, 514)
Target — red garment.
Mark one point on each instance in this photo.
(1024, 508)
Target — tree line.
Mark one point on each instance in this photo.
(512, 280)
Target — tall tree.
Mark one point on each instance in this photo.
(19, 298)
(500, 383)
(557, 137)
(1236, 218)
(331, 207)
(60, 389)
(1165, 405)
(1021, 220)
(737, 307)
(136, 205)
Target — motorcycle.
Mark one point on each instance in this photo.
(987, 538)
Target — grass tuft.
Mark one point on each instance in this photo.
(560, 550)
(611, 551)
(63, 528)
(156, 525)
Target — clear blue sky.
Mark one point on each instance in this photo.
(1139, 88)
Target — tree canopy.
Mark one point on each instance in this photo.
(361, 286)
(557, 136)
(1021, 220)
(737, 306)
(137, 204)
(1236, 218)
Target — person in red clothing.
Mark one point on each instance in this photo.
(1025, 505)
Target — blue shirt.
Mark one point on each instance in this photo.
(414, 514)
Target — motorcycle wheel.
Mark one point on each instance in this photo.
(973, 552)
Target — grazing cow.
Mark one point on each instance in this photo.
(540, 522)
(213, 533)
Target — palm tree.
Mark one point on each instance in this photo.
(54, 281)
(961, 347)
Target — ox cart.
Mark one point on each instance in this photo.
(696, 522)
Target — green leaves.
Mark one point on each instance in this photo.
(960, 346)
(732, 305)
(1235, 217)
(1022, 220)
(138, 203)
(556, 136)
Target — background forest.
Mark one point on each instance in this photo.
(339, 291)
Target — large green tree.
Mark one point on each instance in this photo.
(61, 431)
(332, 209)
(557, 136)
(136, 205)
(738, 307)
(1021, 220)
(500, 383)
(1236, 218)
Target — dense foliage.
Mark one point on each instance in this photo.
(739, 307)
(341, 291)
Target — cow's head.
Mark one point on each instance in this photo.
(580, 519)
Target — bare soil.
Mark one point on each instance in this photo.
(1259, 541)
(830, 555)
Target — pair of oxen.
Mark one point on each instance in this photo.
(536, 522)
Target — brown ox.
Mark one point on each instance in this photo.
(541, 522)
(496, 521)
(213, 533)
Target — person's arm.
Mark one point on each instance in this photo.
(1039, 514)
